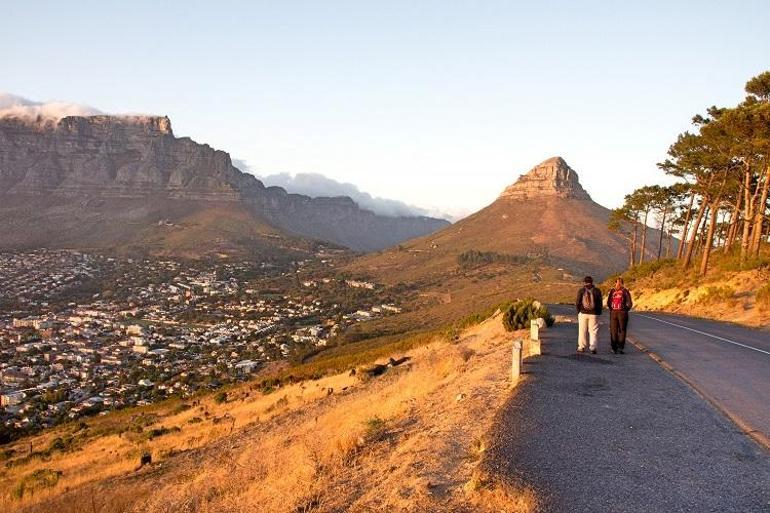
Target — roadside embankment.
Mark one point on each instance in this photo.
(408, 436)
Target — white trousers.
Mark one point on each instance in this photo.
(588, 328)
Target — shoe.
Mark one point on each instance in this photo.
(621, 352)
(581, 350)
(615, 351)
(593, 351)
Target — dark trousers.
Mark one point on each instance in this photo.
(618, 327)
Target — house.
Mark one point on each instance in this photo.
(12, 398)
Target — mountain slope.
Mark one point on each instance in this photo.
(101, 181)
(536, 240)
(546, 215)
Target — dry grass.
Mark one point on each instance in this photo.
(728, 296)
(409, 440)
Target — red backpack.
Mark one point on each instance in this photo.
(618, 299)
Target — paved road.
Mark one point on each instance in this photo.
(728, 364)
(621, 434)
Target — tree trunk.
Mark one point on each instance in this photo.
(759, 216)
(748, 213)
(685, 228)
(732, 232)
(633, 244)
(702, 231)
(669, 240)
(644, 238)
(662, 231)
(693, 234)
(704, 263)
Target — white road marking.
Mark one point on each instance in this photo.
(705, 334)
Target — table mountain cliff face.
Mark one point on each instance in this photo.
(106, 180)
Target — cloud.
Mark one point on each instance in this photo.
(316, 185)
(13, 106)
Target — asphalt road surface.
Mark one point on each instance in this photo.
(728, 364)
(621, 434)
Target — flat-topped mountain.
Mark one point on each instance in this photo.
(106, 181)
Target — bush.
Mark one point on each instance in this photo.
(156, 432)
(375, 429)
(37, 480)
(473, 258)
(763, 296)
(520, 314)
(220, 397)
(716, 294)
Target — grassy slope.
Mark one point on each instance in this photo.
(409, 440)
(197, 227)
(729, 291)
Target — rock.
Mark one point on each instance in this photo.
(73, 169)
(460, 397)
(552, 177)
(396, 362)
(375, 370)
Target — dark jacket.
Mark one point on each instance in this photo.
(627, 303)
(597, 301)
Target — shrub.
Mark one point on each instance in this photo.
(522, 312)
(763, 295)
(375, 429)
(180, 408)
(474, 258)
(715, 294)
(645, 270)
(220, 397)
(37, 480)
(156, 432)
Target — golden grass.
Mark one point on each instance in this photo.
(409, 441)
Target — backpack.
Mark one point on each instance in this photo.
(618, 299)
(587, 301)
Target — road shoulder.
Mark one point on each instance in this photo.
(621, 434)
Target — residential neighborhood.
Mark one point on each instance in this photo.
(85, 334)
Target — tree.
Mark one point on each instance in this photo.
(643, 201)
(624, 222)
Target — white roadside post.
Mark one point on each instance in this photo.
(534, 337)
(516, 362)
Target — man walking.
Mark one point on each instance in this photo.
(589, 307)
(619, 302)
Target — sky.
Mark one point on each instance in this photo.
(439, 104)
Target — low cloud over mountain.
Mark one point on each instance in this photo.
(316, 185)
(13, 106)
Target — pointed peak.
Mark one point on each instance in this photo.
(552, 177)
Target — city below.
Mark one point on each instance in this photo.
(82, 334)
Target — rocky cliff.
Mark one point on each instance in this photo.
(138, 163)
(552, 177)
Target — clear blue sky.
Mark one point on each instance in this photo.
(437, 103)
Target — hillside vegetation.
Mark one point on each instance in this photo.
(407, 435)
(730, 291)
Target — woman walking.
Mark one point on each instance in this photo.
(619, 303)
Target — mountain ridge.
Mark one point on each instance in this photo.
(139, 157)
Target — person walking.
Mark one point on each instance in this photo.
(619, 303)
(589, 307)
